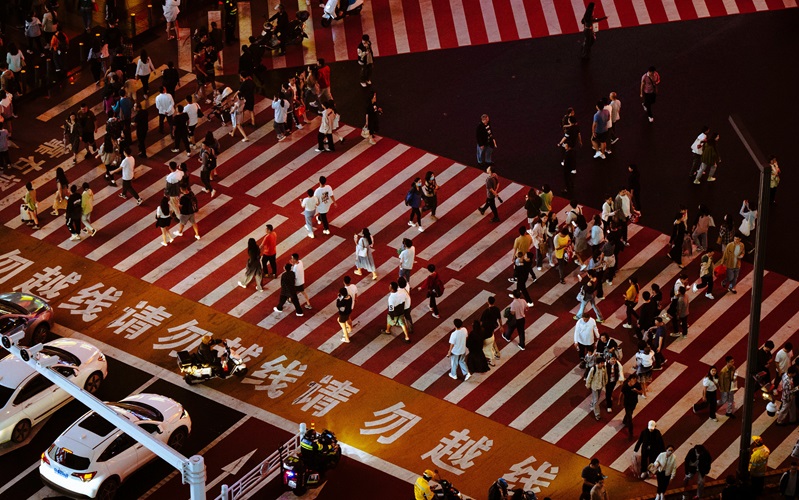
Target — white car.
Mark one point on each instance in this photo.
(92, 457)
(27, 397)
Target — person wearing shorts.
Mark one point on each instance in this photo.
(599, 130)
(188, 207)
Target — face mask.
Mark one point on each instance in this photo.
(418, 184)
(432, 177)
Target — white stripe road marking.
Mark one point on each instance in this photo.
(731, 7)
(235, 404)
(339, 41)
(761, 5)
(609, 7)
(578, 7)
(459, 20)
(439, 336)
(557, 291)
(184, 50)
(465, 225)
(99, 108)
(781, 452)
(398, 27)
(709, 318)
(340, 161)
(252, 302)
(723, 462)
(641, 12)
(564, 383)
(368, 27)
(450, 203)
(309, 44)
(788, 3)
(330, 310)
(507, 352)
(742, 329)
(224, 257)
(429, 23)
(207, 238)
(481, 247)
(524, 377)
(551, 16)
(490, 21)
(520, 18)
(657, 387)
(672, 13)
(20, 476)
(701, 8)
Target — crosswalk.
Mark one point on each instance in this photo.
(539, 391)
(406, 26)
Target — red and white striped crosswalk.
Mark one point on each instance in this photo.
(405, 26)
(539, 391)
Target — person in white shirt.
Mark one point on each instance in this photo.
(165, 105)
(324, 194)
(406, 256)
(457, 351)
(171, 11)
(518, 309)
(172, 189)
(127, 165)
(299, 278)
(143, 69)
(782, 361)
(192, 110)
(309, 204)
(615, 115)
(586, 334)
(396, 310)
(403, 288)
(666, 465)
(696, 150)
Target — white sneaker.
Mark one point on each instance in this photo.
(710, 296)
(453, 377)
(651, 119)
(539, 268)
(410, 223)
(164, 243)
(310, 235)
(242, 285)
(467, 377)
(421, 229)
(598, 154)
(693, 288)
(530, 304)
(319, 150)
(196, 236)
(325, 232)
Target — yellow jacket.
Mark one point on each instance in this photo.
(758, 461)
(631, 295)
(422, 489)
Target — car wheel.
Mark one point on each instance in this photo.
(241, 373)
(299, 491)
(21, 431)
(40, 334)
(178, 438)
(188, 379)
(92, 384)
(108, 489)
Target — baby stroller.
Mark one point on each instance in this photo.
(222, 104)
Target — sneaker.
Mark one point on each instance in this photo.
(710, 296)
(732, 290)
(308, 306)
(319, 150)
(467, 377)
(608, 409)
(598, 155)
(139, 202)
(123, 196)
(242, 285)
(495, 219)
(512, 280)
(164, 243)
(574, 171)
(196, 236)
(711, 179)
(372, 141)
(609, 283)
(675, 335)
(506, 338)
(600, 320)
(530, 304)
(696, 181)
(539, 268)
(94, 231)
(714, 419)
(576, 317)
(280, 138)
(421, 229)
(299, 314)
(203, 190)
(310, 235)
(411, 223)
(627, 325)
(453, 377)
(694, 288)
(510, 295)
(363, 84)
(325, 232)
(435, 315)
(521, 348)
(651, 119)
(345, 340)
(596, 416)
(607, 151)
(213, 192)
(614, 140)
(277, 310)
(358, 272)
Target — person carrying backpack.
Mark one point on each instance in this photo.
(435, 289)
(414, 200)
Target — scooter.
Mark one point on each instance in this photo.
(195, 371)
(334, 11)
(299, 474)
(270, 36)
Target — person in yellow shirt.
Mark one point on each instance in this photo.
(562, 241)
(757, 464)
(630, 300)
(422, 489)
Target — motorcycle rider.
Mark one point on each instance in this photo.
(423, 489)
(498, 490)
(282, 21)
(207, 354)
(313, 450)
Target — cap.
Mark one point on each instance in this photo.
(206, 339)
(428, 474)
(502, 482)
(756, 440)
(652, 424)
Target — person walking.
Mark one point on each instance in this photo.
(599, 131)
(486, 144)
(405, 290)
(705, 275)
(789, 483)
(396, 311)
(758, 465)
(678, 232)
(87, 205)
(163, 219)
(615, 116)
(326, 128)
(281, 107)
(774, 180)
(144, 67)
(697, 463)
(172, 188)
(372, 124)
(193, 112)
(237, 117)
(72, 135)
(288, 291)
(109, 155)
(731, 259)
(208, 164)
(254, 268)
(710, 158)
(141, 119)
(407, 255)
(430, 194)
(650, 443)
(457, 351)
(666, 464)
(476, 362)
(188, 207)
(562, 241)
(61, 191)
(366, 60)
(171, 11)
(344, 304)
(434, 288)
(492, 190)
(299, 278)
(589, 286)
(630, 301)
(787, 392)
(586, 334)
(87, 122)
(596, 381)
(180, 128)
(696, 150)
(364, 258)
(126, 166)
(649, 91)
(269, 251)
(31, 206)
(522, 267)
(516, 317)
(591, 476)
(702, 224)
(709, 391)
(165, 104)
(491, 321)
(727, 380)
(413, 199)
(309, 204)
(74, 213)
(630, 390)
(324, 194)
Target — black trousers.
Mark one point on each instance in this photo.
(649, 101)
(492, 204)
(323, 220)
(184, 139)
(433, 305)
(320, 138)
(519, 327)
(161, 120)
(127, 187)
(205, 177)
(609, 394)
(269, 259)
(417, 213)
(141, 138)
(294, 300)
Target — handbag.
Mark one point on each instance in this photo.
(200, 113)
(744, 228)
(700, 406)
(362, 251)
(581, 295)
(365, 132)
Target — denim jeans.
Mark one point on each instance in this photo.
(309, 220)
(732, 278)
(593, 306)
(485, 155)
(457, 360)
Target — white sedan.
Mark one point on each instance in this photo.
(92, 457)
(27, 397)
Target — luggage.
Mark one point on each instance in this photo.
(23, 212)
(700, 406)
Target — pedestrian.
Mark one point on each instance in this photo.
(666, 464)
(144, 67)
(750, 219)
(74, 212)
(492, 193)
(5, 160)
(598, 492)
(782, 360)
(587, 295)
(630, 301)
(486, 144)
(705, 275)
(299, 278)
(615, 116)
(591, 475)
(562, 242)
(680, 309)
(702, 224)
(309, 204)
(655, 336)
(710, 386)
(344, 305)
(172, 188)
(539, 236)
(696, 150)
(323, 79)
(491, 320)
(193, 112)
(521, 244)
(396, 310)
(126, 166)
(352, 290)
(546, 198)
(254, 268)
(516, 318)
(789, 483)
(434, 289)
(211, 142)
(325, 132)
(650, 443)
(31, 206)
(372, 124)
(758, 465)
(590, 27)
(429, 194)
(597, 238)
(630, 390)
(786, 392)
(407, 255)
(208, 164)
(247, 89)
(165, 104)
(366, 60)
(109, 155)
(727, 384)
(61, 191)
(324, 194)
(649, 91)
(476, 362)
(678, 232)
(163, 219)
(141, 119)
(697, 463)
(87, 205)
(405, 290)
(86, 124)
(281, 107)
(522, 266)
(623, 210)
(180, 127)
(644, 364)
(497, 491)
(634, 186)
(59, 46)
(171, 11)
(288, 291)
(731, 259)
(363, 253)
(599, 131)
(457, 351)
(774, 180)
(188, 207)
(72, 135)
(615, 373)
(237, 117)
(269, 251)
(710, 158)
(596, 381)
(171, 78)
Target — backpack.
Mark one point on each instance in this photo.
(408, 198)
(438, 286)
(195, 206)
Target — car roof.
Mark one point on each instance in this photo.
(14, 371)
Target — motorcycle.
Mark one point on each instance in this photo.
(303, 471)
(194, 370)
(271, 38)
(334, 10)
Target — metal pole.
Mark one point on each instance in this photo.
(763, 206)
(150, 21)
(133, 25)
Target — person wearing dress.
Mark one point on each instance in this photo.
(344, 306)
(476, 360)
(236, 117)
(163, 219)
(254, 268)
(363, 253)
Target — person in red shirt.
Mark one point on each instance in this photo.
(434, 287)
(323, 79)
(269, 251)
(199, 71)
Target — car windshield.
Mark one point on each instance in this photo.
(68, 459)
(140, 410)
(5, 395)
(97, 424)
(66, 357)
(7, 307)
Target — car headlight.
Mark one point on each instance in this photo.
(101, 358)
(85, 476)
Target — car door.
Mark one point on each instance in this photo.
(145, 455)
(37, 398)
(121, 456)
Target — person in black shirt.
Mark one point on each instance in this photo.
(490, 319)
(247, 89)
(591, 475)
(87, 122)
(141, 118)
(629, 394)
(171, 78)
(288, 291)
(73, 213)
(764, 360)
(180, 122)
(485, 142)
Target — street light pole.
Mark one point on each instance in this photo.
(763, 206)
